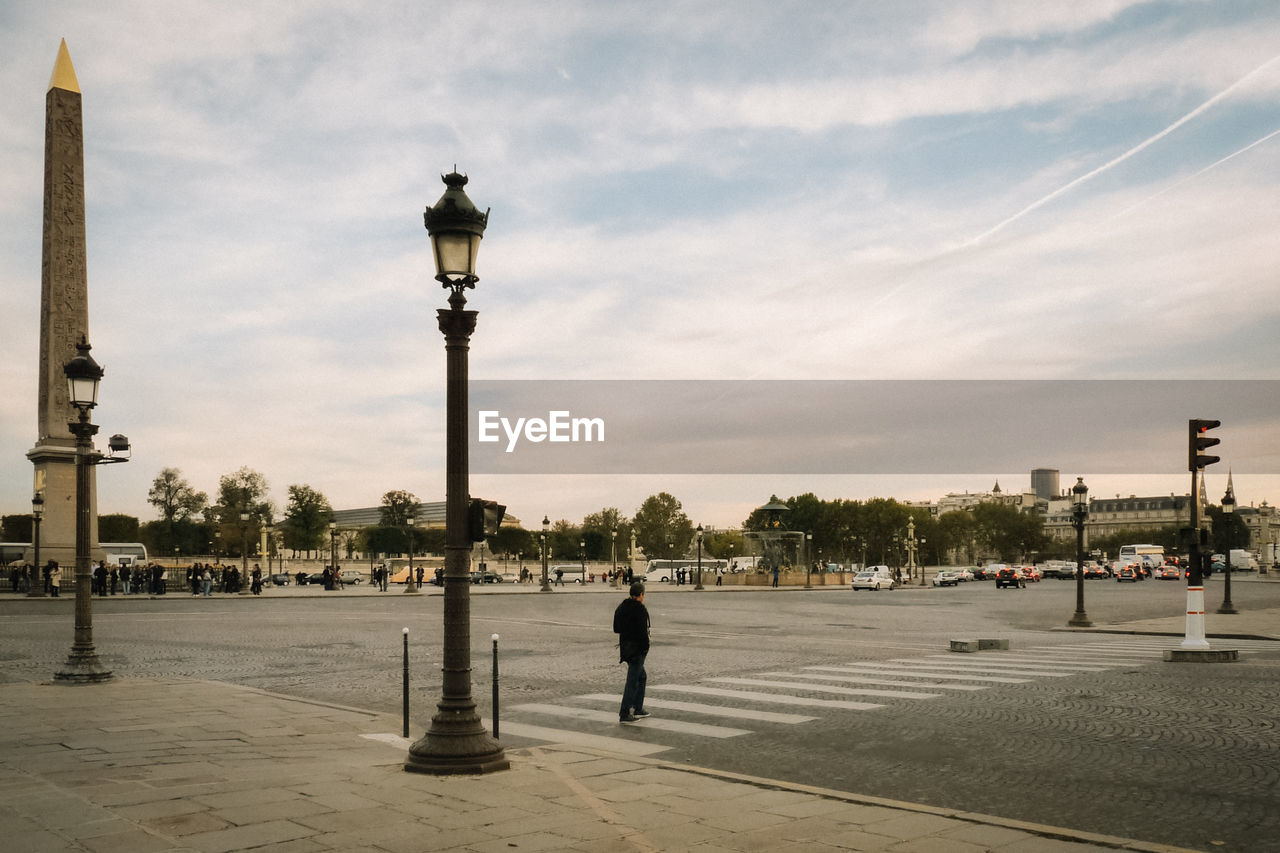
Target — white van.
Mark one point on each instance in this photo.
(569, 573)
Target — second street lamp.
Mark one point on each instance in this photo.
(457, 741)
(1228, 507)
(35, 583)
(83, 375)
(244, 552)
(546, 530)
(699, 584)
(1079, 512)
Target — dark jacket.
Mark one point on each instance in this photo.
(631, 624)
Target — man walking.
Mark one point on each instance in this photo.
(631, 624)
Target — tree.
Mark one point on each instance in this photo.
(602, 530)
(306, 518)
(398, 508)
(1228, 531)
(956, 530)
(880, 520)
(176, 501)
(117, 527)
(512, 541)
(241, 492)
(662, 529)
(1004, 530)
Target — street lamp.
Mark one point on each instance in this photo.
(922, 541)
(613, 555)
(333, 555)
(1228, 507)
(83, 375)
(808, 563)
(582, 557)
(911, 548)
(35, 584)
(457, 741)
(411, 584)
(270, 531)
(1079, 512)
(699, 584)
(546, 530)
(244, 551)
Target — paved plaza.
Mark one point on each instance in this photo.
(186, 750)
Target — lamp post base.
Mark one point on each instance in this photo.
(1228, 609)
(467, 749)
(83, 667)
(1079, 619)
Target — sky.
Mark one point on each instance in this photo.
(948, 190)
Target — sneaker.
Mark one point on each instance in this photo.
(640, 714)
(628, 718)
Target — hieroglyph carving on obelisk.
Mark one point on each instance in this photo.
(64, 315)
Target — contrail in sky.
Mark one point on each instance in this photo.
(1215, 164)
(1125, 156)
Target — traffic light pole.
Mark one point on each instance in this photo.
(1197, 441)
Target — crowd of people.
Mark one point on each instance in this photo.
(150, 579)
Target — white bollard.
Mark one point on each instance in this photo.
(1195, 619)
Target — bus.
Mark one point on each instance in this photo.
(124, 553)
(1149, 557)
(664, 571)
(14, 552)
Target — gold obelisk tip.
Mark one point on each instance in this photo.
(64, 73)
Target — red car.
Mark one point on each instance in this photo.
(1031, 573)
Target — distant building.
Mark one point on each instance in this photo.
(1044, 482)
(1111, 515)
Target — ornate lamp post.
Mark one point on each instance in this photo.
(698, 586)
(83, 375)
(582, 557)
(911, 548)
(333, 554)
(922, 541)
(808, 563)
(244, 551)
(411, 585)
(1228, 507)
(613, 555)
(35, 586)
(457, 741)
(268, 539)
(1079, 512)
(546, 530)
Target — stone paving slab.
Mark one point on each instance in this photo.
(107, 767)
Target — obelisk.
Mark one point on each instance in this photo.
(64, 317)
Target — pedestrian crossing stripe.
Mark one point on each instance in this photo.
(623, 746)
(998, 665)
(862, 679)
(825, 688)
(885, 669)
(976, 667)
(593, 715)
(710, 710)
(754, 695)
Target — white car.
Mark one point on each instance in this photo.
(946, 577)
(351, 576)
(873, 580)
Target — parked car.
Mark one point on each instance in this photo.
(486, 577)
(1008, 576)
(350, 575)
(947, 577)
(874, 579)
(281, 579)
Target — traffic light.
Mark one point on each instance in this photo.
(483, 518)
(1197, 441)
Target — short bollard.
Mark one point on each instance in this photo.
(495, 686)
(406, 683)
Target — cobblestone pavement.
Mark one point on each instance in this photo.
(1178, 754)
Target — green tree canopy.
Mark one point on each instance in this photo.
(398, 508)
(662, 529)
(306, 518)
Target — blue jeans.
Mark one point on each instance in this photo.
(633, 691)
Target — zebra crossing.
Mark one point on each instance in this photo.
(722, 707)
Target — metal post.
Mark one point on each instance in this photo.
(406, 683)
(1194, 637)
(35, 584)
(495, 685)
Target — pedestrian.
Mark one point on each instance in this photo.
(719, 575)
(206, 579)
(631, 624)
(775, 577)
(115, 575)
(559, 577)
(125, 575)
(55, 578)
(256, 586)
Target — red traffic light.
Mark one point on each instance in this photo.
(1197, 441)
